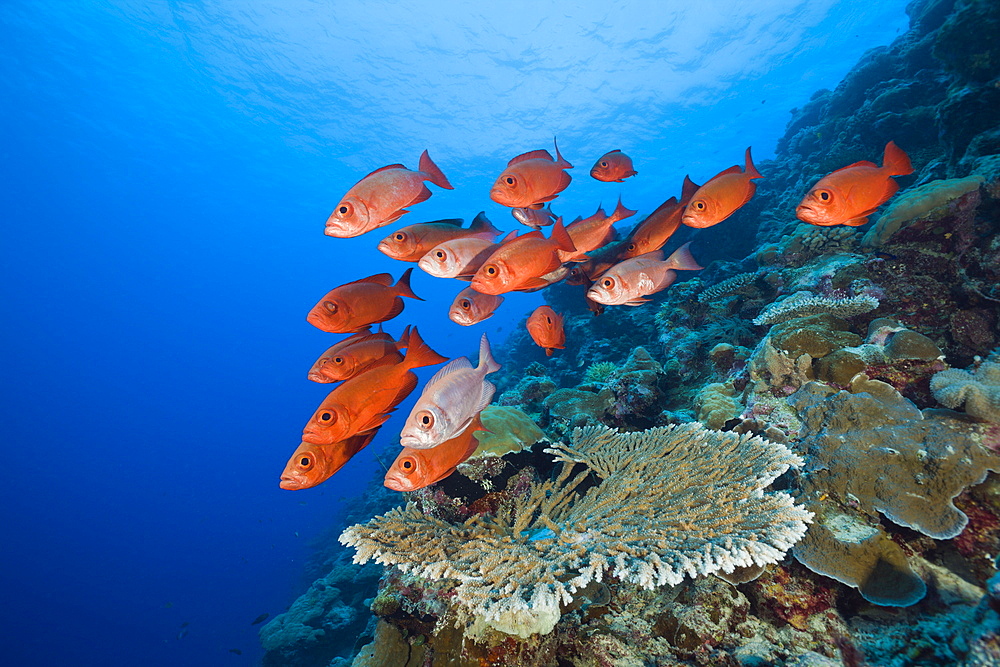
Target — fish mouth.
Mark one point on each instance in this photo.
(386, 249)
(397, 482)
(413, 442)
(290, 483)
(316, 376)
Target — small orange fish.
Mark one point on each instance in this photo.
(470, 307)
(416, 468)
(721, 196)
(357, 354)
(654, 232)
(531, 179)
(629, 281)
(382, 196)
(522, 262)
(411, 243)
(850, 194)
(314, 464)
(545, 326)
(613, 166)
(365, 401)
(536, 218)
(353, 307)
(596, 231)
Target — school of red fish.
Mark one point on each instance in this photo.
(376, 375)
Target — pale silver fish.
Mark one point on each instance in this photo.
(629, 281)
(458, 257)
(536, 218)
(470, 307)
(450, 401)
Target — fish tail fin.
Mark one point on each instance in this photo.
(419, 353)
(404, 339)
(482, 225)
(896, 161)
(433, 172)
(688, 190)
(486, 359)
(683, 260)
(402, 287)
(750, 170)
(560, 160)
(620, 212)
(562, 237)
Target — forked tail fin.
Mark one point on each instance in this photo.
(434, 174)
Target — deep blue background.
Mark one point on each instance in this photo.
(161, 244)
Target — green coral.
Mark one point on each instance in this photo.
(599, 372)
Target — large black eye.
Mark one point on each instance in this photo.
(439, 254)
(824, 195)
(342, 210)
(491, 270)
(305, 461)
(338, 360)
(330, 305)
(399, 237)
(604, 163)
(326, 416)
(509, 180)
(466, 304)
(631, 247)
(425, 419)
(608, 283)
(407, 465)
(548, 319)
(700, 205)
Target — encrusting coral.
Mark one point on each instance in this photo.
(924, 202)
(978, 389)
(672, 502)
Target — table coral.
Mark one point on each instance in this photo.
(804, 303)
(671, 502)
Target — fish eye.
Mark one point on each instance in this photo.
(330, 305)
(824, 195)
(631, 247)
(604, 163)
(439, 254)
(343, 209)
(548, 319)
(407, 464)
(305, 462)
(326, 416)
(491, 270)
(466, 304)
(399, 236)
(700, 205)
(510, 180)
(608, 283)
(338, 360)
(425, 419)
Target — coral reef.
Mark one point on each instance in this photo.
(804, 303)
(514, 569)
(978, 389)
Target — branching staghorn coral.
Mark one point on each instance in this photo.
(805, 303)
(741, 283)
(672, 502)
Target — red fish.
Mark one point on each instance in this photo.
(470, 307)
(416, 468)
(521, 263)
(654, 232)
(531, 179)
(355, 306)
(536, 218)
(721, 196)
(613, 166)
(314, 464)
(411, 243)
(459, 258)
(545, 326)
(365, 401)
(849, 195)
(596, 231)
(600, 261)
(357, 354)
(382, 196)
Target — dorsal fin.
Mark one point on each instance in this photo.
(688, 189)
(459, 364)
(511, 235)
(652, 254)
(531, 155)
(750, 170)
(533, 234)
(385, 168)
(862, 163)
(561, 237)
(378, 278)
(403, 286)
(482, 225)
(560, 160)
(486, 357)
(454, 222)
(683, 259)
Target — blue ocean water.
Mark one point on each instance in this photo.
(167, 169)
